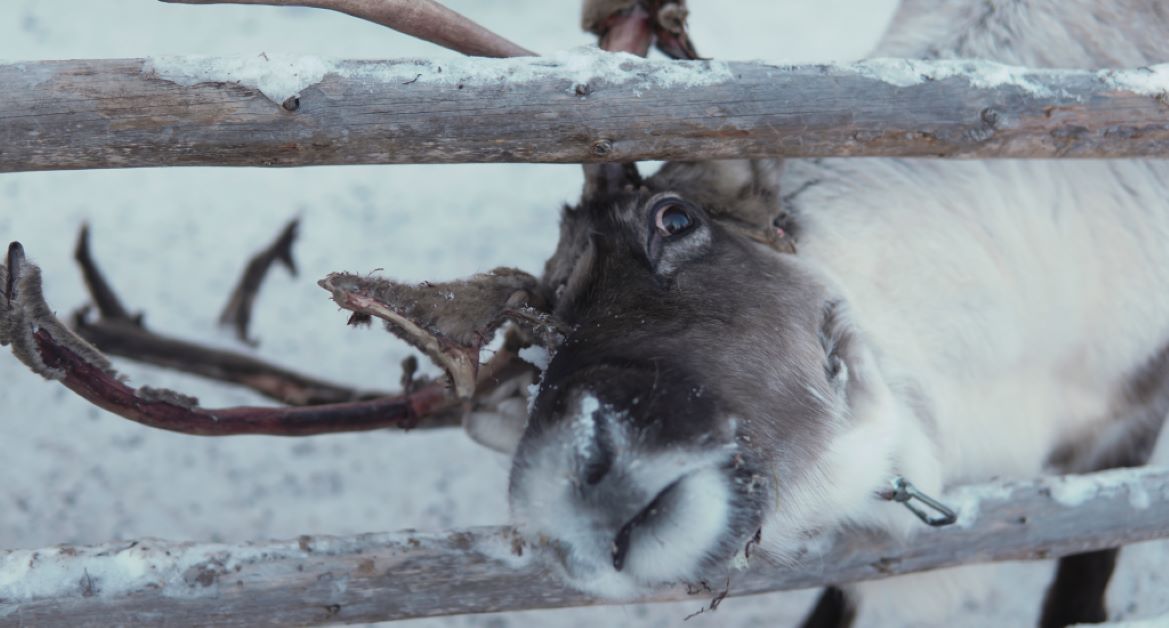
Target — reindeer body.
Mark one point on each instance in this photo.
(1013, 301)
(1009, 307)
(1007, 304)
(1016, 310)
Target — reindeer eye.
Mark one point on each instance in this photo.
(671, 218)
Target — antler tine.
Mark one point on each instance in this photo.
(424, 19)
(237, 313)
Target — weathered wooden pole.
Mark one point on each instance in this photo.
(376, 577)
(572, 107)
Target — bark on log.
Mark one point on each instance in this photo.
(572, 107)
(374, 577)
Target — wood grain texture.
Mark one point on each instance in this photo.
(374, 577)
(126, 113)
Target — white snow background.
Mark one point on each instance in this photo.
(174, 240)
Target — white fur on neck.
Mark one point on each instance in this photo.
(1015, 297)
(883, 438)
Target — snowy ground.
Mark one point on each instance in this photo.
(173, 242)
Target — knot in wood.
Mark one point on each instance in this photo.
(601, 148)
(990, 117)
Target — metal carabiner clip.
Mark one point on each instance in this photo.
(905, 492)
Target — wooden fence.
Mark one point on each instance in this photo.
(377, 577)
(571, 108)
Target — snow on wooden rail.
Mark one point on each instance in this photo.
(372, 577)
(576, 106)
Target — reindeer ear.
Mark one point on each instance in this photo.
(609, 179)
(836, 339)
(848, 365)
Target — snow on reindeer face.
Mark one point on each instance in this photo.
(694, 389)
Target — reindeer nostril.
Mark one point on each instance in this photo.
(620, 547)
(596, 469)
(598, 453)
(621, 544)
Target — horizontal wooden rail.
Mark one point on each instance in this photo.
(377, 577)
(571, 107)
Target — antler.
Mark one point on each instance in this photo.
(115, 331)
(450, 322)
(424, 19)
(634, 25)
(238, 311)
(51, 350)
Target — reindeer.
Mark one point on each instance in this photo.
(715, 377)
(749, 352)
(947, 322)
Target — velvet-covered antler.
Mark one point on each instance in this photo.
(48, 348)
(450, 322)
(634, 25)
(57, 353)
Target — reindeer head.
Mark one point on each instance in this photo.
(699, 371)
(700, 376)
